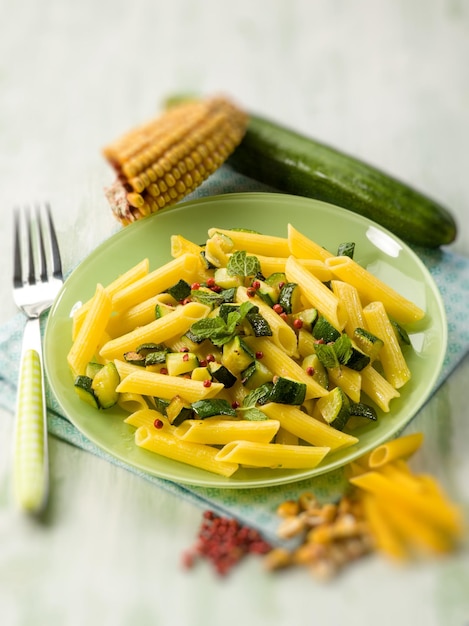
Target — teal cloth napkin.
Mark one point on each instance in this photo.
(255, 507)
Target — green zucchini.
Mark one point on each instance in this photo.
(296, 164)
(287, 391)
(104, 385)
(335, 408)
(83, 389)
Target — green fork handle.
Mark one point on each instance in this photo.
(31, 473)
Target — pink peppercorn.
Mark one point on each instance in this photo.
(278, 308)
(224, 542)
(207, 383)
(211, 282)
(310, 371)
(158, 424)
(251, 292)
(195, 286)
(298, 323)
(256, 284)
(259, 354)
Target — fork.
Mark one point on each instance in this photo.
(33, 294)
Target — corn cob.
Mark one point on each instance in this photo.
(160, 162)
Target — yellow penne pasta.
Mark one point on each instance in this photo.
(254, 243)
(408, 503)
(124, 368)
(139, 314)
(180, 245)
(272, 265)
(160, 330)
(306, 343)
(216, 431)
(349, 380)
(400, 448)
(275, 359)
(88, 338)
(272, 455)
(372, 288)
(387, 538)
(132, 402)
(295, 421)
(283, 335)
(377, 388)
(129, 277)
(304, 248)
(185, 267)
(147, 417)
(350, 299)
(164, 386)
(195, 454)
(316, 293)
(394, 364)
(286, 437)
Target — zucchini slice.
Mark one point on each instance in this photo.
(83, 389)
(237, 355)
(255, 375)
(324, 330)
(178, 410)
(367, 342)
(290, 298)
(335, 408)
(104, 385)
(288, 391)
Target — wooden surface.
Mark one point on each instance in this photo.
(386, 81)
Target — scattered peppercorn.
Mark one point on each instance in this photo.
(259, 354)
(207, 382)
(278, 308)
(298, 323)
(158, 424)
(224, 542)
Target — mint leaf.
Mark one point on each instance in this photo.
(210, 298)
(240, 264)
(252, 414)
(343, 348)
(326, 354)
(208, 327)
(260, 395)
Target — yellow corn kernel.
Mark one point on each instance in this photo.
(159, 163)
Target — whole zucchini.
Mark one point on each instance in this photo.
(293, 163)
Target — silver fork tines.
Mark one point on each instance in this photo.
(34, 237)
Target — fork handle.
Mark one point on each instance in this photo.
(31, 475)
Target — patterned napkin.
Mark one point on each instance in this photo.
(255, 507)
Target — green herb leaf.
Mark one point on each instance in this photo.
(240, 264)
(210, 298)
(326, 354)
(260, 395)
(343, 348)
(252, 414)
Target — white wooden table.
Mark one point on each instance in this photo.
(387, 81)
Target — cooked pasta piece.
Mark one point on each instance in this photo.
(302, 247)
(85, 345)
(164, 386)
(377, 388)
(272, 455)
(372, 288)
(195, 454)
(254, 243)
(216, 431)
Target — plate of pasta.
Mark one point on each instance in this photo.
(245, 340)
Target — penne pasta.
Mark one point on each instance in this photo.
(85, 345)
(295, 421)
(350, 299)
(160, 330)
(147, 417)
(273, 265)
(185, 266)
(128, 278)
(372, 288)
(302, 247)
(377, 388)
(195, 454)
(272, 455)
(275, 359)
(132, 402)
(216, 431)
(163, 386)
(349, 380)
(316, 293)
(394, 364)
(400, 448)
(140, 314)
(254, 243)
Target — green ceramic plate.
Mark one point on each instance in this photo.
(376, 249)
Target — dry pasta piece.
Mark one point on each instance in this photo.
(217, 431)
(195, 454)
(299, 423)
(87, 340)
(400, 448)
(387, 539)
(272, 455)
(164, 386)
(160, 330)
(316, 293)
(396, 370)
(372, 288)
